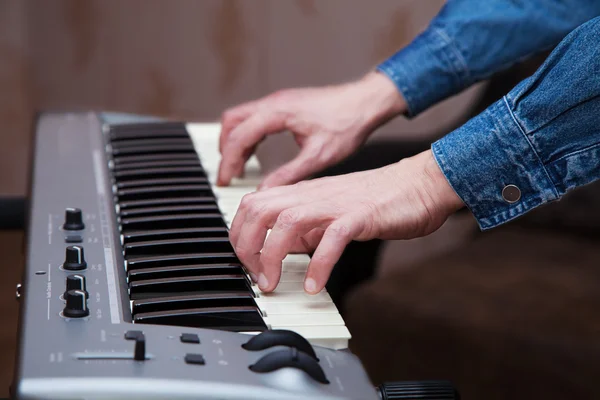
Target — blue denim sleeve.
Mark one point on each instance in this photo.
(469, 40)
(539, 141)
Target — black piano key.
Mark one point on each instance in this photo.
(169, 210)
(177, 246)
(205, 300)
(164, 234)
(196, 220)
(155, 192)
(187, 285)
(161, 182)
(236, 319)
(164, 172)
(156, 164)
(167, 201)
(145, 130)
(147, 150)
(174, 259)
(151, 142)
(177, 271)
(124, 160)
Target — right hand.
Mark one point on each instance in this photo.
(328, 124)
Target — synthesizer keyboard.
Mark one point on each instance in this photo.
(132, 289)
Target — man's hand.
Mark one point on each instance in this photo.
(404, 200)
(328, 123)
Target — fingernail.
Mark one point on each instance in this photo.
(310, 285)
(263, 283)
(253, 277)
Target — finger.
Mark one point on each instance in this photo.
(257, 214)
(291, 224)
(305, 164)
(232, 118)
(250, 242)
(309, 242)
(243, 139)
(277, 199)
(335, 239)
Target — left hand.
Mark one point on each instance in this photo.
(405, 200)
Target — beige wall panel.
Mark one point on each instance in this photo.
(15, 107)
(322, 42)
(181, 58)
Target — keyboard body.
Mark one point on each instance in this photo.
(90, 358)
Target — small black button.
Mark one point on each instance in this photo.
(191, 358)
(189, 338)
(133, 335)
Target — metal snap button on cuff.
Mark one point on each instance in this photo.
(511, 194)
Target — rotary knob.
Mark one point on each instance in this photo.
(74, 259)
(76, 282)
(73, 220)
(76, 306)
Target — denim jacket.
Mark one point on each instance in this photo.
(541, 139)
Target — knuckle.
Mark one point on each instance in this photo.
(246, 202)
(289, 218)
(243, 252)
(340, 231)
(279, 94)
(228, 115)
(256, 211)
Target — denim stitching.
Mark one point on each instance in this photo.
(459, 57)
(514, 118)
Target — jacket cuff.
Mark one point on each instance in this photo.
(428, 70)
(492, 166)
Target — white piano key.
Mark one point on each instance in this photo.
(290, 297)
(313, 316)
(278, 320)
(282, 287)
(307, 307)
(332, 336)
(294, 266)
(292, 276)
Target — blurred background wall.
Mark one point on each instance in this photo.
(190, 59)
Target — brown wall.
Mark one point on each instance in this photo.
(189, 59)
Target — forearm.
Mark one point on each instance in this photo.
(536, 143)
(469, 40)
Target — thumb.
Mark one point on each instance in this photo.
(305, 164)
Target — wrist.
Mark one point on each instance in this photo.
(436, 185)
(433, 195)
(380, 99)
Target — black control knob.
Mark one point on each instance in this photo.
(74, 259)
(76, 306)
(76, 282)
(73, 220)
(279, 337)
(290, 358)
(421, 390)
